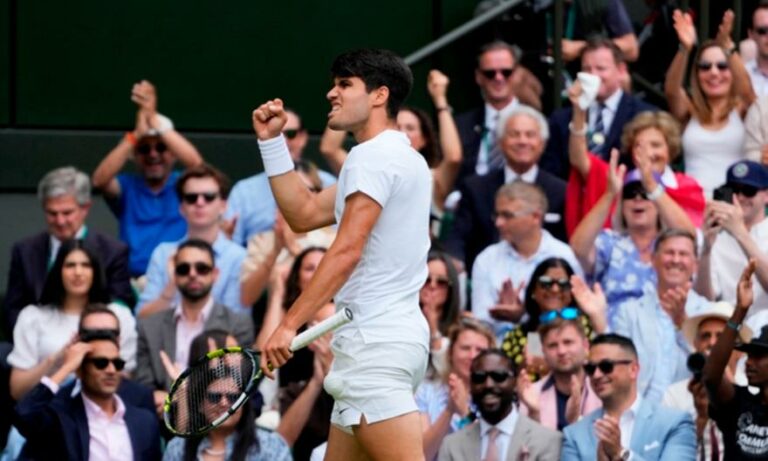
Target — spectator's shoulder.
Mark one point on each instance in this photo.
(31, 240)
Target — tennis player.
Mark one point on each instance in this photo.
(376, 265)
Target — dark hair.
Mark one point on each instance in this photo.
(97, 308)
(377, 68)
(203, 170)
(292, 288)
(201, 245)
(596, 42)
(669, 233)
(53, 291)
(450, 314)
(558, 324)
(199, 345)
(623, 342)
(430, 151)
(531, 306)
(499, 353)
(245, 437)
(499, 45)
(301, 123)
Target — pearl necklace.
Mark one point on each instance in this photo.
(214, 452)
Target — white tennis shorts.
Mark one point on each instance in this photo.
(377, 380)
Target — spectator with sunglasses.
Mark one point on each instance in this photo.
(629, 426)
(502, 431)
(734, 233)
(439, 301)
(145, 202)
(758, 67)
(172, 330)
(93, 423)
(654, 321)
(713, 113)
(203, 192)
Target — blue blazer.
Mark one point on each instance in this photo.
(56, 427)
(555, 157)
(659, 433)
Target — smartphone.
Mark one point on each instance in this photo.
(723, 194)
(533, 340)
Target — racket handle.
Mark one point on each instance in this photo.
(331, 323)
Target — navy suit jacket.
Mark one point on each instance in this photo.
(56, 426)
(555, 157)
(470, 125)
(129, 390)
(659, 433)
(473, 229)
(29, 268)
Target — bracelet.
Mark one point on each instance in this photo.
(448, 108)
(437, 336)
(575, 132)
(131, 138)
(276, 156)
(656, 193)
(733, 326)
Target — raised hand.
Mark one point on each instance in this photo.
(643, 162)
(527, 394)
(228, 225)
(458, 400)
(509, 306)
(686, 30)
(616, 173)
(608, 435)
(144, 95)
(437, 85)
(724, 31)
(673, 302)
(592, 302)
(269, 119)
(574, 93)
(573, 404)
(744, 292)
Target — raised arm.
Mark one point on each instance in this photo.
(741, 79)
(721, 390)
(104, 177)
(674, 89)
(703, 281)
(450, 143)
(332, 149)
(577, 140)
(302, 209)
(585, 234)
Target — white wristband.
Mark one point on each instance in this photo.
(276, 156)
(164, 124)
(656, 193)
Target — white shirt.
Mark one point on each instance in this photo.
(529, 176)
(501, 261)
(610, 106)
(187, 330)
(56, 244)
(506, 427)
(383, 290)
(757, 77)
(627, 422)
(109, 437)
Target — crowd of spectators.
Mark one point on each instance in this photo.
(597, 279)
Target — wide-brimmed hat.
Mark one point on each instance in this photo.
(719, 310)
(758, 345)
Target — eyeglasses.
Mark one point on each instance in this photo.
(146, 148)
(499, 376)
(706, 65)
(441, 282)
(290, 134)
(102, 363)
(507, 215)
(490, 74)
(215, 397)
(191, 198)
(605, 366)
(548, 282)
(744, 190)
(183, 269)
(566, 313)
(762, 30)
(633, 190)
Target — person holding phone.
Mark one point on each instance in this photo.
(733, 233)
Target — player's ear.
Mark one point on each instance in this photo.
(380, 96)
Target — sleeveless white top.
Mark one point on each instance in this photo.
(709, 153)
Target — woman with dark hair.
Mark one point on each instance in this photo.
(238, 438)
(439, 301)
(554, 291)
(43, 331)
(720, 95)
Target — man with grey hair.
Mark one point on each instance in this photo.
(65, 195)
(521, 139)
(502, 270)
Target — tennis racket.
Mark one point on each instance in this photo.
(220, 382)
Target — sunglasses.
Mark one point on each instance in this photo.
(605, 366)
(183, 269)
(102, 363)
(290, 134)
(566, 313)
(706, 65)
(744, 190)
(498, 376)
(632, 191)
(215, 397)
(191, 198)
(762, 30)
(441, 282)
(490, 74)
(145, 149)
(548, 282)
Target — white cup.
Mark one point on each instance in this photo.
(590, 83)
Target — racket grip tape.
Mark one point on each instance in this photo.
(338, 319)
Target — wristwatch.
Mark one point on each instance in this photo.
(624, 455)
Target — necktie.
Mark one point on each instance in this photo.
(597, 136)
(492, 452)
